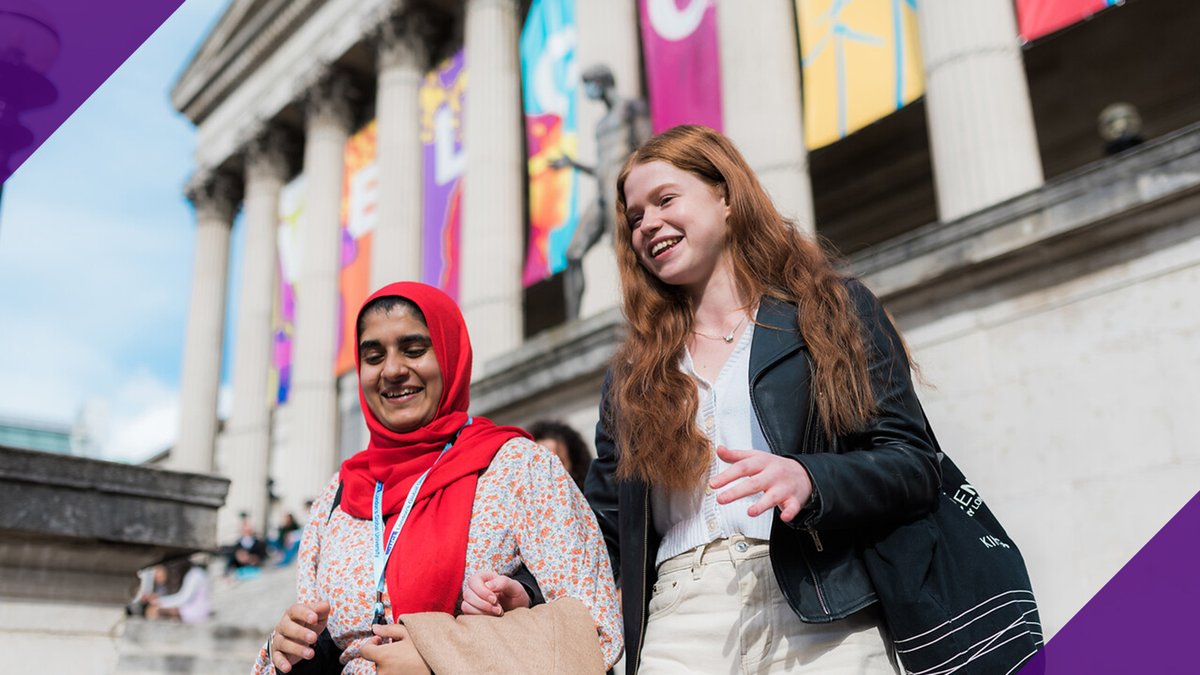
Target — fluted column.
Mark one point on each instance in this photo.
(402, 57)
(493, 199)
(215, 199)
(246, 440)
(312, 455)
(981, 131)
(760, 93)
(608, 34)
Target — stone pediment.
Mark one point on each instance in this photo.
(245, 35)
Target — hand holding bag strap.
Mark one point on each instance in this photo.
(954, 588)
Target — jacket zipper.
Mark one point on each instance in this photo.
(816, 584)
(815, 537)
(808, 423)
(812, 532)
(645, 547)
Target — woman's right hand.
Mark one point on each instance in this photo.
(296, 633)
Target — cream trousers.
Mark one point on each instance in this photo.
(718, 609)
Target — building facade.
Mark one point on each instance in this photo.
(1044, 284)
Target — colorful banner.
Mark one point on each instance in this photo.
(683, 68)
(283, 315)
(360, 195)
(861, 61)
(1036, 18)
(550, 78)
(442, 97)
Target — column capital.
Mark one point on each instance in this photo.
(332, 97)
(408, 36)
(215, 194)
(269, 152)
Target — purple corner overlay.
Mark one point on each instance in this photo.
(1144, 619)
(54, 54)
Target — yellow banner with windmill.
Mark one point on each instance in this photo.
(861, 61)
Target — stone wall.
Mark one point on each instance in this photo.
(73, 533)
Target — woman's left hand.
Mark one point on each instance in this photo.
(783, 481)
(397, 657)
(493, 594)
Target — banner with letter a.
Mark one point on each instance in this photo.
(861, 62)
(550, 78)
(360, 196)
(443, 95)
(1036, 18)
(683, 65)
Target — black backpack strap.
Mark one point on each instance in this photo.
(337, 499)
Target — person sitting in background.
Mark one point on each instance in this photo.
(287, 539)
(189, 604)
(248, 552)
(152, 582)
(565, 442)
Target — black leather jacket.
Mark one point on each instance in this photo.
(864, 482)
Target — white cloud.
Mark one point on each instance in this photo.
(144, 418)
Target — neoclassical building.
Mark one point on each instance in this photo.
(1046, 286)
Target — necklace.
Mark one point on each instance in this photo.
(728, 337)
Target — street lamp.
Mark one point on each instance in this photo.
(28, 47)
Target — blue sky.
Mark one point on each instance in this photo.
(96, 254)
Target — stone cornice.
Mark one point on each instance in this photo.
(1145, 188)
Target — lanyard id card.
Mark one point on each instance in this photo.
(382, 552)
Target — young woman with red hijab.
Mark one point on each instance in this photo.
(471, 502)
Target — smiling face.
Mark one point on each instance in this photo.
(677, 223)
(397, 369)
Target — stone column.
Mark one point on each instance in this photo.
(246, 440)
(312, 456)
(403, 57)
(981, 131)
(608, 34)
(493, 192)
(760, 93)
(215, 198)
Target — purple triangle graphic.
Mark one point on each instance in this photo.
(1144, 619)
(54, 54)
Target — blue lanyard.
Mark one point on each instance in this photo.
(382, 553)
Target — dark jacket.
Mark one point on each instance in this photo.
(864, 482)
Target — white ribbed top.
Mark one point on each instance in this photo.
(687, 519)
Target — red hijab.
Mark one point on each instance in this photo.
(426, 568)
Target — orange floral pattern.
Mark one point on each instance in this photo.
(527, 509)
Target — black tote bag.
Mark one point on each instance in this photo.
(954, 589)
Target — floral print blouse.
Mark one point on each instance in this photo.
(527, 509)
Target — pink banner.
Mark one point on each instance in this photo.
(1036, 18)
(683, 67)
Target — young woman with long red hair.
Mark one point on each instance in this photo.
(758, 428)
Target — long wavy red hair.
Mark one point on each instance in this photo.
(656, 402)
